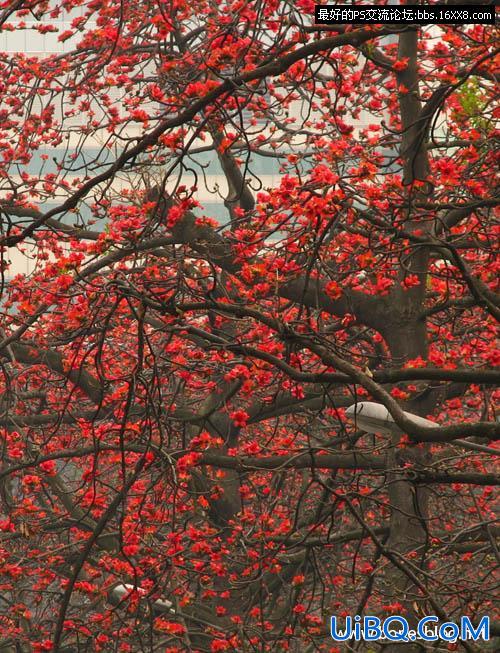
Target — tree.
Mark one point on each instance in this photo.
(178, 469)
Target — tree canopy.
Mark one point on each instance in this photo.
(240, 225)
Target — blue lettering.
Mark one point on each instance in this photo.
(449, 631)
(396, 636)
(422, 631)
(341, 637)
(371, 627)
(468, 632)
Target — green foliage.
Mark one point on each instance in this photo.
(472, 101)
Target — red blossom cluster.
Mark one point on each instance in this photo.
(174, 384)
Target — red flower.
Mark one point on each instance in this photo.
(333, 290)
(401, 64)
(220, 645)
(410, 281)
(240, 418)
